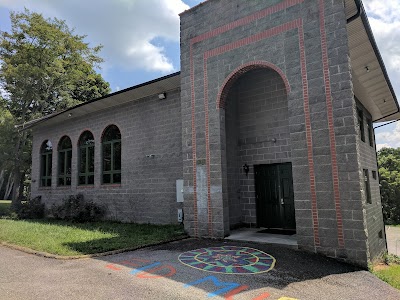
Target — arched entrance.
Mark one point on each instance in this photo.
(259, 184)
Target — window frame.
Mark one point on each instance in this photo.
(360, 116)
(367, 186)
(46, 158)
(64, 151)
(370, 132)
(112, 170)
(86, 148)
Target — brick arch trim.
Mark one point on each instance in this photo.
(231, 79)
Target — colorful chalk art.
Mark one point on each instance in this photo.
(228, 260)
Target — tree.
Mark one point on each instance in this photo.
(389, 173)
(45, 67)
(7, 135)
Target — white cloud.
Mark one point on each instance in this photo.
(389, 138)
(381, 146)
(126, 28)
(384, 17)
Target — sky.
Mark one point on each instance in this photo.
(140, 38)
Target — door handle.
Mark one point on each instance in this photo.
(282, 201)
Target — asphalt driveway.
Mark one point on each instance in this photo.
(157, 273)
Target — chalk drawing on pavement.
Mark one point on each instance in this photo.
(228, 260)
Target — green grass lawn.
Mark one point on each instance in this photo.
(4, 207)
(65, 238)
(390, 274)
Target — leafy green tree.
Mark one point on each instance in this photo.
(389, 172)
(7, 135)
(45, 67)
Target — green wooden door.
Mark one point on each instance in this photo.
(274, 196)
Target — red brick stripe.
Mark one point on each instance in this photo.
(221, 100)
(246, 20)
(208, 154)
(245, 68)
(332, 139)
(314, 207)
(213, 33)
(252, 65)
(253, 39)
(230, 80)
(194, 149)
(220, 50)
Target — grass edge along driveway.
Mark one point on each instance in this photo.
(389, 273)
(70, 239)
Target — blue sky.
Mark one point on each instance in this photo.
(141, 37)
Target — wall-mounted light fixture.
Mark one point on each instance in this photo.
(246, 169)
(162, 96)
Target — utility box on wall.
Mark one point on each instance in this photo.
(179, 190)
(180, 215)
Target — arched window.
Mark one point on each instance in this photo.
(86, 159)
(46, 157)
(111, 155)
(64, 161)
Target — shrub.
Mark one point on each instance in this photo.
(392, 259)
(31, 209)
(76, 209)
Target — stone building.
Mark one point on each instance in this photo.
(268, 124)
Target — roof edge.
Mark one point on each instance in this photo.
(368, 29)
(193, 8)
(35, 122)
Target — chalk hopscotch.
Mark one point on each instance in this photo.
(228, 260)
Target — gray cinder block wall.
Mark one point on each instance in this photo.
(147, 193)
(306, 43)
(252, 71)
(257, 132)
(372, 208)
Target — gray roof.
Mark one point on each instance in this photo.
(153, 87)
